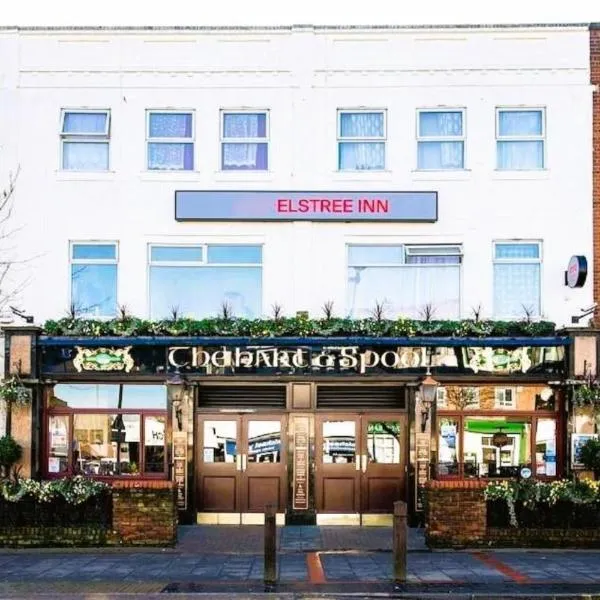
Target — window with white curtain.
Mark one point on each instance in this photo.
(520, 139)
(440, 139)
(197, 280)
(170, 140)
(517, 270)
(409, 280)
(361, 140)
(244, 141)
(84, 138)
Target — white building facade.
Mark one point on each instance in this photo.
(484, 132)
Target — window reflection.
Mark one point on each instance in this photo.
(220, 441)
(448, 446)
(58, 434)
(339, 442)
(264, 441)
(154, 444)
(383, 442)
(545, 447)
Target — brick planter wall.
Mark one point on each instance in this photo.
(144, 513)
(48, 537)
(455, 514)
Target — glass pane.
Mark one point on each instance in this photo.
(154, 444)
(499, 446)
(145, 396)
(448, 447)
(383, 442)
(515, 251)
(361, 156)
(85, 156)
(545, 447)
(440, 155)
(404, 290)
(339, 442)
(250, 157)
(264, 441)
(92, 395)
(517, 156)
(58, 444)
(171, 156)
(440, 123)
(235, 254)
(368, 125)
(200, 291)
(516, 289)
(168, 125)
(176, 253)
(244, 125)
(375, 255)
(78, 122)
(106, 444)
(220, 441)
(520, 122)
(94, 289)
(95, 251)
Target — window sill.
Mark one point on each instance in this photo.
(85, 175)
(520, 175)
(382, 175)
(242, 175)
(166, 175)
(441, 175)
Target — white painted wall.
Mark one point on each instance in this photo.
(302, 75)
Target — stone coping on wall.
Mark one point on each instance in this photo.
(148, 484)
(457, 484)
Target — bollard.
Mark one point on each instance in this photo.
(400, 542)
(270, 576)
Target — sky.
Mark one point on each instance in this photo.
(289, 12)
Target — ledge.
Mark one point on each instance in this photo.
(456, 484)
(143, 484)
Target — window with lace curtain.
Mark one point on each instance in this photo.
(361, 140)
(440, 139)
(85, 136)
(244, 141)
(170, 140)
(520, 139)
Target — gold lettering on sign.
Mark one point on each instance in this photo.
(423, 443)
(180, 467)
(301, 458)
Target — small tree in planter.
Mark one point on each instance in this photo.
(10, 454)
(590, 456)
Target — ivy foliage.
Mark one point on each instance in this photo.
(295, 326)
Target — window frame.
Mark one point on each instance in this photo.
(94, 261)
(443, 138)
(498, 405)
(522, 138)
(505, 261)
(255, 140)
(365, 140)
(85, 138)
(171, 140)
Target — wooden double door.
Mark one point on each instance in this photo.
(241, 463)
(360, 462)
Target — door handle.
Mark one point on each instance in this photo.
(244, 462)
(357, 458)
(238, 462)
(365, 462)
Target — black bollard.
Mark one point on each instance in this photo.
(270, 576)
(400, 534)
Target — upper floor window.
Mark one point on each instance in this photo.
(408, 280)
(440, 139)
(170, 139)
(520, 135)
(504, 398)
(361, 140)
(244, 141)
(199, 280)
(85, 136)
(517, 267)
(94, 278)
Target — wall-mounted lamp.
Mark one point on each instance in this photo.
(178, 412)
(178, 395)
(428, 389)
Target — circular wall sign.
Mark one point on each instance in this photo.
(525, 472)
(577, 271)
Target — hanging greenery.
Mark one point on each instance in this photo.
(587, 395)
(14, 392)
(295, 326)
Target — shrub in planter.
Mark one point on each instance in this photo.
(590, 456)
(10, 454)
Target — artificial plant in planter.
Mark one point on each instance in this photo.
(590, 456)
(10, 454)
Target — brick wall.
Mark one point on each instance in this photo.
(455, 513)
(595, 80)
(144, 513)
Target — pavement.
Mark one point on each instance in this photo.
(220, 562)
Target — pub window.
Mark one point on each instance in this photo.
(170, 140)
(84, 137)
(106, 430)
(361, 140)
(199, 280)
(244, 141)
(440, 139)
(94, 278)
(408, 280)
(517, 273)
(505, 398)
(520, 139)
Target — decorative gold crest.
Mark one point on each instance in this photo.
(103, 359)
